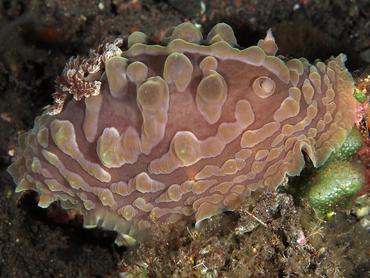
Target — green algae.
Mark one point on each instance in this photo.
(360, 95)
(334, 185)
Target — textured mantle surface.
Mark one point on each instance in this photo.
(145, 133)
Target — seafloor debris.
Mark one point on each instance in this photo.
(362, 95)
(271, 235)
(157, 133)
(362, 210)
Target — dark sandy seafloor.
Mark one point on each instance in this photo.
(37, 38)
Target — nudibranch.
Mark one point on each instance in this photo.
(141, 134)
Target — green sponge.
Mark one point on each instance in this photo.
(350, 146)
(334, 186)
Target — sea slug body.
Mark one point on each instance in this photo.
(142, 133)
